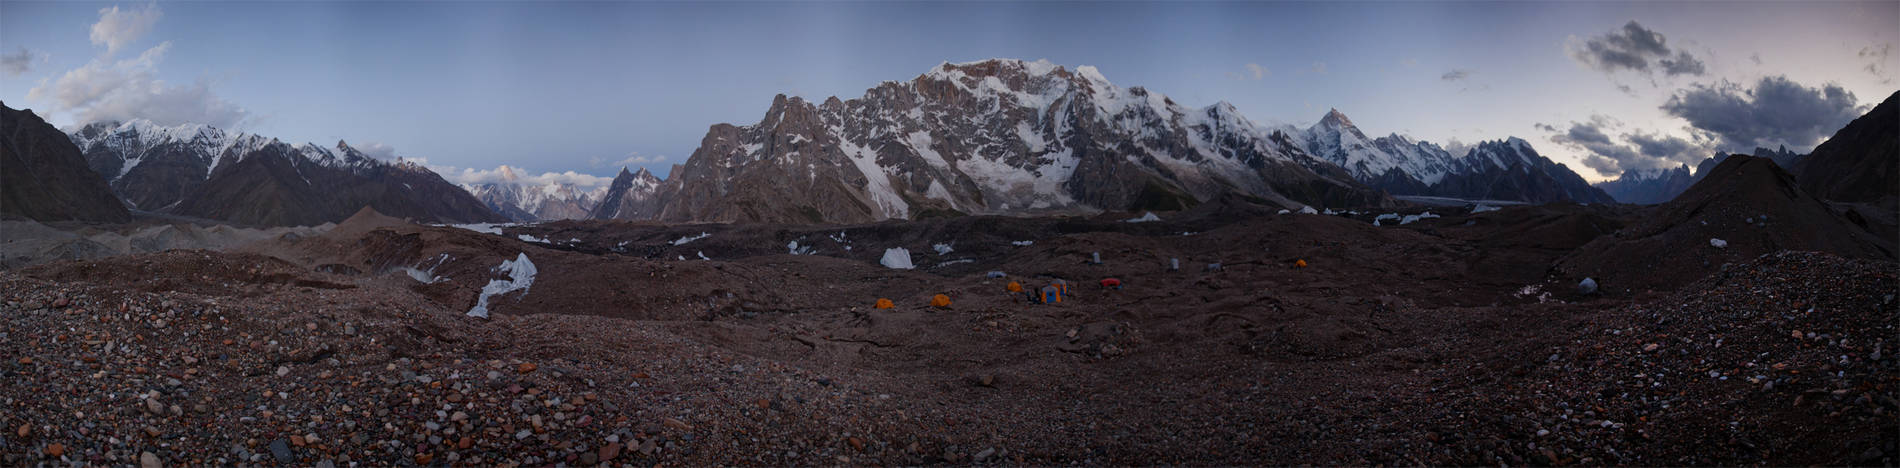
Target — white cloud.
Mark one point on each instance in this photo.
(376, 150)
(125, 89)
(129, 89)
(505, 174)
(117, 28)
(632, 159)
(1258, 71)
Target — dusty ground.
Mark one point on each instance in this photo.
(1450, 340)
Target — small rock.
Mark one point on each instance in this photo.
(25, 430)
(526, 367)
(281, 450)
(610, 451)
(985, 454)
(1587, 287)
(55, 450)
(1651, 347)
(150, 460)
(677, 424)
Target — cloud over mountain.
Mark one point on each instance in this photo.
(1774, 111)
(126, 89)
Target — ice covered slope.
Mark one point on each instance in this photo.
(993, 137)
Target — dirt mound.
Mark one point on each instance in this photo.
(191, 271)
(1746, 207)
(365, 220)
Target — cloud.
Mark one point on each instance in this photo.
(1258, 71)
(18, 63)
(1876, 57)
(1456, 147)
(1410, 62)
(117, 28)
(376, 150)
(632, 159)
(1605, 156)
(505, 174)
(1755, 57)
(1455, 75)
(125, 89)
(1662, 150)
(129, 89)
(1318, 68)
(1683, 64)
(1545, 127)
(1776, 111)
(1633, 48)
(1638, 150)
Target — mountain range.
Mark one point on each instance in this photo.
(1014, 137)
(1506, 169)
(522, 201)
(998, 136)
(200, 171)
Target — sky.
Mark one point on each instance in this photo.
(572, 91)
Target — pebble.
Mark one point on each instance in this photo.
(150, 460)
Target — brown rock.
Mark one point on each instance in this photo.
(610, 451)
(424, 458)
(856, 443)
(677, 424)
(526, 367)
(25, 430)
(55, 450)
(465, 443)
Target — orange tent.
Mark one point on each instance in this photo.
(1300, 263)
(1015, 287)
(883, 303)
(940, 301)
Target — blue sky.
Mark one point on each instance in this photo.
(587, 86)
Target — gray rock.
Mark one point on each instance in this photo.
(1587, 287)
(281, 450)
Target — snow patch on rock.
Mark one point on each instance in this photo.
(897, 258)
(520, 276)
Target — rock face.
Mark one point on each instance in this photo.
(1649, 187)
(1749, 203)
(990, 137)
(632, 195)
(43, 176)
(196, 170)
(526, 202)
(1507, 169)
(1860, 163)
